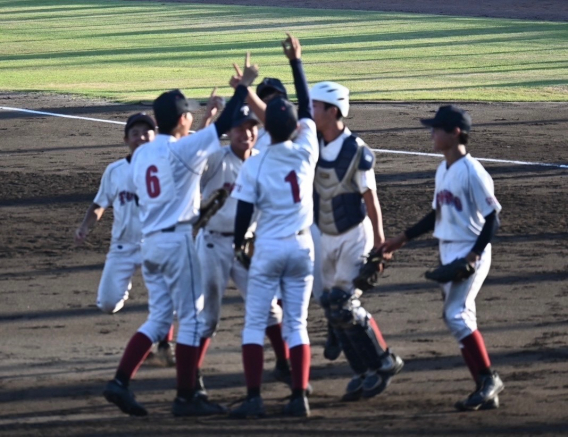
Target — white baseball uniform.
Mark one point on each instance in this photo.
(342, 254)
(214, 243)
(124, 256)
(166, 175)
(463, 196)
(279, 183)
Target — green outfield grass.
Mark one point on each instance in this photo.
(128, 51)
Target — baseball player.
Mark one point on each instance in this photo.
(214, 243)
(278, 182)
(124, 256)
(165, 177)
(464, 218)
(348, 214)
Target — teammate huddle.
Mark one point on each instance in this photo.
(309, 195)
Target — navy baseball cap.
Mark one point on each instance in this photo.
(270, 85)
(281, 118)
(140, 117)
(242, 115)
(448, 118)
(169, 106)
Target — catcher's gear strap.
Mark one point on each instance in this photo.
(355, 361)
(364, 340)
(487, 232)
(242, 222)
(370, 271)
(425, 225)
(458, 270)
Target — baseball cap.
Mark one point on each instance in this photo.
(270, 85)
(243, 114)
(449, 117)
(169, 106)
(140, 117)
(281, 118)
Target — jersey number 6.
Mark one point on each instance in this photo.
(292, 178)
(152, 182)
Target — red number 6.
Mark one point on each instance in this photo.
(152, 182)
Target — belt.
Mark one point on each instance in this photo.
(303, 231)
(223, 234)
(178, 226)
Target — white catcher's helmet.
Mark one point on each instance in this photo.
(332, 93)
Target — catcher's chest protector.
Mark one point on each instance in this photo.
(338, 203)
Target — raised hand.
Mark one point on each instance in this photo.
(292, 47)
(236, 78)
(214, 104)
(250, 73)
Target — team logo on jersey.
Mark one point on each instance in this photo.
(245, 110)
(491, 201)
(446, 197)
(125, 196)
(229, 186)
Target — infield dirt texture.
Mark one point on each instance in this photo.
(57, 350)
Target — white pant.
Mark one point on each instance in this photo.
(343, 255)
(318, 279)
(121, 263)
(288, 263)
(459, 297)
(218, 263)
(171, 271)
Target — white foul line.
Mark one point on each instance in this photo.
(400, 152)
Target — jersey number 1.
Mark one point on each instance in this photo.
(292, 178)
(152, 182)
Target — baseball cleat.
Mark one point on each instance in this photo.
(489, 388)
(123, 398)
(251, 408)
(199, 385)
(196, 406)
(297, 407)
(491, 404)
(354, 389)
(163, 356)
(376, 382)
(283, 374)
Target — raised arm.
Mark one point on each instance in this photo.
(293, 51)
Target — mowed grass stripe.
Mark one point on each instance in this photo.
(127, 50)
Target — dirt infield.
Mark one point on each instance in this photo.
(57, 350)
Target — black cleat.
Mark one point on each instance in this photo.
(196, 406)
(491, 404)
(354, 389)
(252, 408)
(376, 382)
(298, 407)
(123, 398)
(489, 388)
(164, 356)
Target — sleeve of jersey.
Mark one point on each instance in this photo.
(307, 137)
(194, 149)
(482, 192)
(365, 175)
(245, 186)
(104, 195)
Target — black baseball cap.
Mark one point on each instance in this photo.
(448, 118)
(281, 118)
(169, 106)
(270, 85)
(140, 117)
(243, 114)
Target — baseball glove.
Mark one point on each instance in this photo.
(370, 272)
(456, 271)
(209, 207)
(244, 255)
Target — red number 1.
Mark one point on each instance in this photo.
(293, 179)
(152, 182)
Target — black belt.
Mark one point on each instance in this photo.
(174, 227)
(223, 234)
(303, 231)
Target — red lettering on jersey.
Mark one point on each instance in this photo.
(445, 197)
(152, 182)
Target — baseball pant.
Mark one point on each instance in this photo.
(343, 255)
(288, 263)
(120, 265)
(459, 297)
(172, 275)
(218, 264)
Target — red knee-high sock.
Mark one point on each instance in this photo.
(253, 363)
(186, 368)
(476, 349)
(300, 359)
(378, 333)
(274, 334)
(170, 335)
(203, 346)
(470, 362)
(134, 355)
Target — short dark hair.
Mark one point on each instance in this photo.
(329, 105)
(463, 137)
